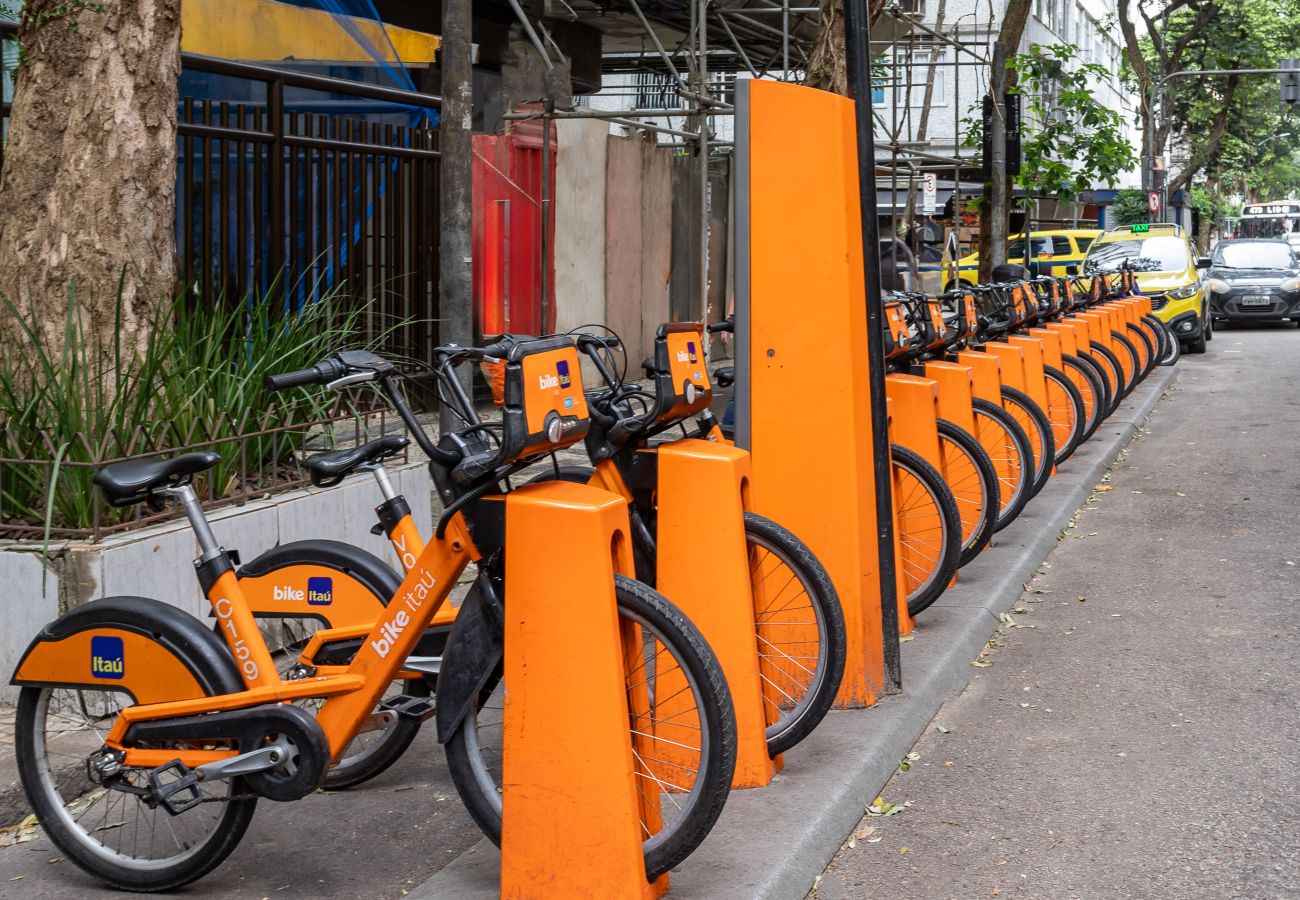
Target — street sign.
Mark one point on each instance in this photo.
(929, 202)
(1290, 80)
(1153, 201)
(1012, 106)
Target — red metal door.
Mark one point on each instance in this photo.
(507, 243)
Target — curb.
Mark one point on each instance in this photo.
(772, 843)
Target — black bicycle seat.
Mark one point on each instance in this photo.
(725, 376)
(334, 465)
(130, 482)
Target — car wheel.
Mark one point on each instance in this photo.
(1197, 344)
(1209, 328)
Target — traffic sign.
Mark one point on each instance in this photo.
(929, 202)
(1153, 201)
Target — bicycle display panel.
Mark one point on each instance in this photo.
(682, 385)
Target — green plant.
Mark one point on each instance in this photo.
(1129, 208)
(196, 383)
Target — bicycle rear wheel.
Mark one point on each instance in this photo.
(1089, 385)
(1064, 411)
(969, 473)
(1008, 448)
(1031, 418)
(800, 631)
(683, 742)
(108, 827)
(929, 528)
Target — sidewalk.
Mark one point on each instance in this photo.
(773, 842)
(1137, 733)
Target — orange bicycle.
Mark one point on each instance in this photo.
(144, 739)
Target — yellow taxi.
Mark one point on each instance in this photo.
(1168, 271)
(1063, 248)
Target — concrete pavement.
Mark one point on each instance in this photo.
(1136, 734)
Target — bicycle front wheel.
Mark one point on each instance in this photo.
(800, 630)
(929, 528)
(1065, 412)
(970, 475)
(1031, 418)
(1013, 460)
(682, 724)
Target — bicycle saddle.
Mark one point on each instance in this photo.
(725, 376)
(130, 482)
(331, 467)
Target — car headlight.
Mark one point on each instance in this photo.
(1290, 285)
(1219, 286)
(1183, 293)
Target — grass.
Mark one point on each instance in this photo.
(195, 382)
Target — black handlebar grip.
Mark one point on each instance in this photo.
(321, 373)
(728, 324)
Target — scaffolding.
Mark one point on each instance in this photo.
(687, 55)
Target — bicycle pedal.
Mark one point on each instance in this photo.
(407, 707)
(185, 783)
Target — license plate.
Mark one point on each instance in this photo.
(1256, 300)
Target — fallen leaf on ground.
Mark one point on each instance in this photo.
(941, 729)
(1104, 487)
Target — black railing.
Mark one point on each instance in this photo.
(299, 183)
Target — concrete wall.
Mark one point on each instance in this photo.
(580, 162)
(638, 242)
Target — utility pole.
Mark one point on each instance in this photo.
(998, 163)
(857, 43)
(455, 214)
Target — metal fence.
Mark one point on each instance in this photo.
(322, 182)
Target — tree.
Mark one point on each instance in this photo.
(1074, 142)
(88, 191)
(997, 191)
(826, 67)
(1129, 208)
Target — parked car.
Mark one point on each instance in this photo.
(1061, 249)
(1168, 271)
(1254, 279)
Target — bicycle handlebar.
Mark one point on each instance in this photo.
(323, 372)
(728, 325)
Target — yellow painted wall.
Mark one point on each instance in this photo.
(264, 30)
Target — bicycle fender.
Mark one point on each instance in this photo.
(474, 652)
(142, 647)
(334, 583)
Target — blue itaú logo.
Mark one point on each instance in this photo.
(320, 591)
(562, 369)
(107, 657)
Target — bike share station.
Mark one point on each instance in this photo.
(591, 756)
(804, 414)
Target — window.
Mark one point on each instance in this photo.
(1041, 247)
(1061, 246)
(917, 74)
(653, 91)
(1084, 243)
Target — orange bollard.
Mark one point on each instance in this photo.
(814, 362)
(702, 566)
(568, 777)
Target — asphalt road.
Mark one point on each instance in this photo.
(1137, 734)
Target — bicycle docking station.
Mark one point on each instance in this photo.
(569, 778)
(914, 425)
(802, 348)
(703, 566)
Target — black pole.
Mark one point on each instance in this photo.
(857, 44)
(456, 209)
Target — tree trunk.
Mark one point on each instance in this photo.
(995, 210)
(826, 69)
(88, 191)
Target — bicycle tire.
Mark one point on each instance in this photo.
(1118, 381)
(1155, 331)
(1065, 412)
(920, 495)
(1010, 449)
(831, 642)
(1030, 416)
(1134, 358)
(669, 847)
(1173, 350)
(1088, 383)
(1143, 342)
(786, 728)
(978, 501)
(1099, 371)
(79, 844)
